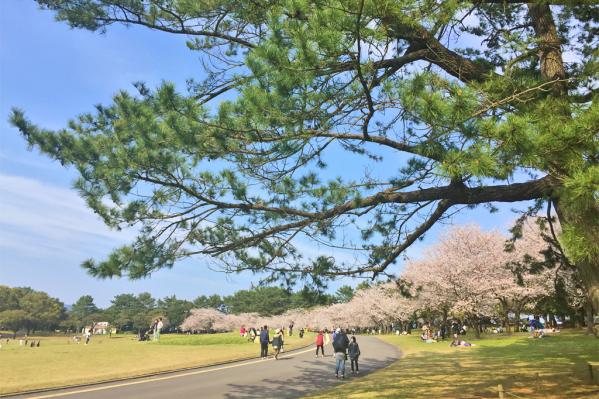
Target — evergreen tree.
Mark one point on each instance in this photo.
(129, 312)
(460, 103)
(25, 308)
(344, 294)
(263, 300)
(175, 310)
(14, 320)
(82, 313)
(309, 297)
(213, 301)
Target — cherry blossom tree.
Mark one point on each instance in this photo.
(380, 305)
(536, 247)
(469, 272)
(202, 319)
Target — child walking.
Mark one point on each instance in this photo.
(353, 352)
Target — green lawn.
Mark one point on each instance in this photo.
(58, 361)
(553, 367)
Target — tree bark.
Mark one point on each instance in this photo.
(550, 51)
(589, 316)
(552, 68)
(588, 268)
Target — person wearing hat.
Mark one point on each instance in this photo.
(277, 343)
(340, 344)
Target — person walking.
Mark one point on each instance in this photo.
(264, 341)
(319, 343)
(340, 345)
(327, 338)
(277, 343)
(353, 351)
(88, 334)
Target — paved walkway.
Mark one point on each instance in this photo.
(294, 375)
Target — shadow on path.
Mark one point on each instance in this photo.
(310, 376)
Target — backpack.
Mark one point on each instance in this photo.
(340, 343)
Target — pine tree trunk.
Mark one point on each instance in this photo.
(475, 325)
(552, 322)
(588, 268)
(588, 307)
(552, 69)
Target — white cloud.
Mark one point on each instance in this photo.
(40, 219)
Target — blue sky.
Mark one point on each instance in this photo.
(55, 73)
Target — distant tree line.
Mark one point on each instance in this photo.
(23, 308)
(27, 310)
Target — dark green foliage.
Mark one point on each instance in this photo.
(344, 294)
(23, 308)
(269, 301)
(262, 300)
(129, 312)
(83, 313)
(214, 301)
(175, 310)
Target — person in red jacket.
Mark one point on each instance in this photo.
(320, 343)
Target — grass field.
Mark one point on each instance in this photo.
(553, 367)
(59, 361)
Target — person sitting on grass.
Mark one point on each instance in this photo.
(457, 342)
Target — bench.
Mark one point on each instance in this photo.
(594, 372)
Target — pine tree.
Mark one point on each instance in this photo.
(474, 99)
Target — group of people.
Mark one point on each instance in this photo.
(277, 341)
(86, 334)
(429, 336)
(343, 349)
(252, 334)
(152, 333)
(157, 326)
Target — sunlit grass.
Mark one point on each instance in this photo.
(553, 367)
(59, 361)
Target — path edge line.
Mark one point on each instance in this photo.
(140, 376)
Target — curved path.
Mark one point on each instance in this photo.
(294, 375)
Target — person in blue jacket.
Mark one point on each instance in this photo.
(264, 341)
